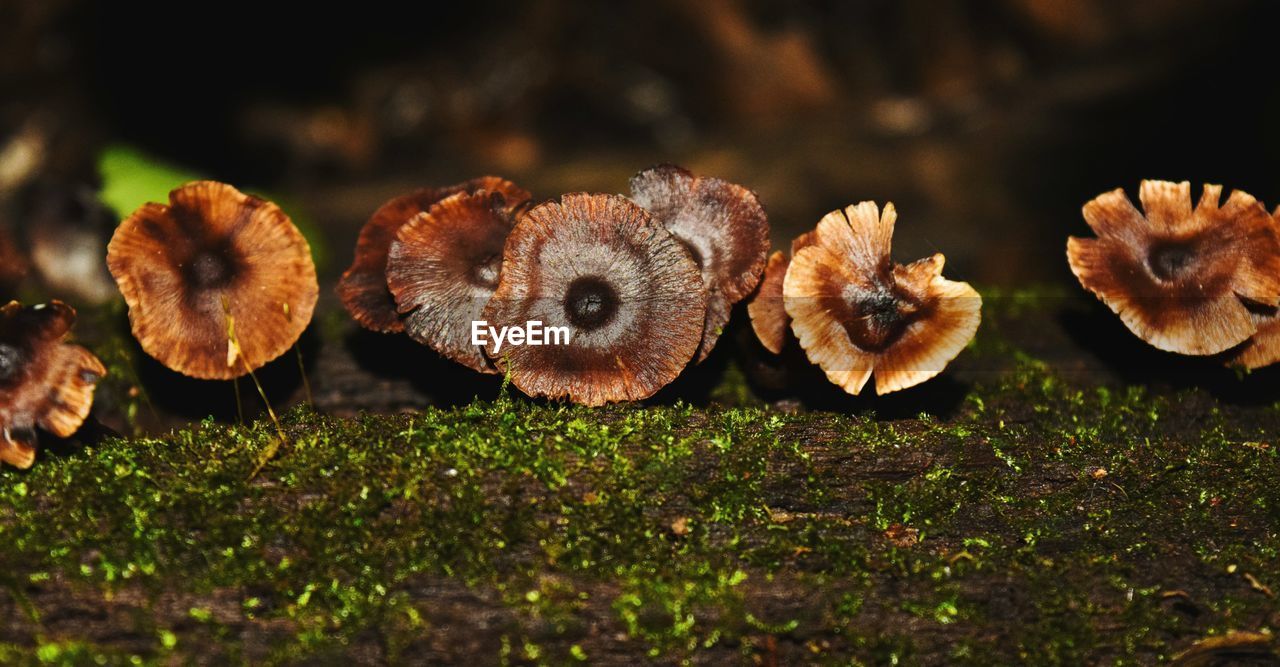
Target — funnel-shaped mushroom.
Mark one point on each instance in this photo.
(211, 258)
(627, 293)
(722, 225)
(855, 312)
(769, 318)
(443, 268)
(44, 382)
(1177, 277)
(363, 287)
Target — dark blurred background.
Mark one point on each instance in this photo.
(987, 123)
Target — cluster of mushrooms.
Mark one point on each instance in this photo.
(218, 283)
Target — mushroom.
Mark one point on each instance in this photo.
(628, 293)
(722, 225)
(443, 268)
(1180, 278)
(44, 382)
(1263, 348)
(363, 287)
(856, 312)
(218, 283)
(768, 313)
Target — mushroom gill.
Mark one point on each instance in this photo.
(212, 261)
(626, 291)
(443, 268)
(44, 382)
(363, 287)
(1178, 277)
(723, 226)
(856, 313)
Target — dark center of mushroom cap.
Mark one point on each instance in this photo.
(878, 318)
(10, 360)
(485, 273)
(210, 269)
(590, 303)
(1169, 260)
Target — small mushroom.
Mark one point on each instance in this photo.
(363, 287)
(218, 283)
(443, 268)
(768, 313)
(722, 225)
(44, 382)
(628, 293)
(855, 312)
(1263, 348)
(1180, 278)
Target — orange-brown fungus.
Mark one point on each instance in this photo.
(44, 382)
(363, 287)
(626, 290)
(211, 261)
(855, 312)
(1178, 277)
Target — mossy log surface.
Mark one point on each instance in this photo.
(1061, 496)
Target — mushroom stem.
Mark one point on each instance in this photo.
(235, 355)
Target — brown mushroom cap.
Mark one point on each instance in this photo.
(1177, 277)
(628, 291)
(43, 381)
(856, 313)
(1263, 348)
(443, 268)
(768, 313)
(213, 253)
(724, 227)
(363, 287)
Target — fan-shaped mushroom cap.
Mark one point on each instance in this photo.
(443, 268)
(628, 292)
(724, 227)
(1178, 277)
(768, 313)
(211, 254)
(856, 313)
(43, 381)
(363, 287)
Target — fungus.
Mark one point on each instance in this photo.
(218, 283)
(768, 313)
(363, 287)
(855, 312)
(1180, 278)
(723, 226)
(628, 293)
(44, 382)
(443, 268)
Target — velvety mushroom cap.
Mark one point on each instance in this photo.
(769, 318)
(723, 226)
(44, 382)
(628, 292)
(443, 268)
(213, 253)
(1177, 277)
(856, 313)
(363, 287)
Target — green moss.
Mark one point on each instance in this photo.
(1042, 522)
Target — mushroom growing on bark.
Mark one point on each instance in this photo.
(769, 318)
(855, 312)
(443, 268)
(1178, 277)
(44, 382)
(628, 293)
(218, 283)
(363, 287)
(723, 226)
